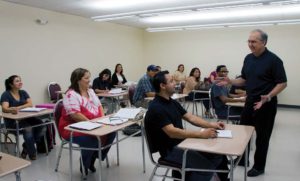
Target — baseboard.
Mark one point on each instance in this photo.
(289, 106)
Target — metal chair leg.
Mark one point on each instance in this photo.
(59, 156)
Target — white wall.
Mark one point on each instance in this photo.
(208, 48)
(44, 53)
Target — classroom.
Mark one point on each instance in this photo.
(42, 46)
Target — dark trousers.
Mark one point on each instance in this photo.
(199, 96)
(263, 121)
(199, 160)
(92, 142)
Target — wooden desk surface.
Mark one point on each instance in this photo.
(236, 104)
(104, 129)
(201, 91)
(112, 95)
(234, 146)
(10, 164)
(23, 115)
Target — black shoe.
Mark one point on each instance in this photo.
(24, 152)
(241, 163)
(253, 172)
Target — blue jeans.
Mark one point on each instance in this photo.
(30, 135)
(199, 160)
(92, 142)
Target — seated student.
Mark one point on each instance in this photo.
(221, 95)
(82, 104)
(144, 88)
(193, 82)
(179, 76)
(118, 77)
(102, 84)
(14, 99)
(163, 124)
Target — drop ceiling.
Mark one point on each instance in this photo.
(176, 13)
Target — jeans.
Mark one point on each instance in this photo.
(110, 103)
(92, 142)
(199, 160)
(30, 135)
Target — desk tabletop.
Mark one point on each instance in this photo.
(112, 95)
(235, 104)
(201, 91)
(104, 129)
(234, 146)
(23, 115)
(10, 164)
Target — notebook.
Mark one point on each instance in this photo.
(127, 113)
(116, 91)
(46, 105)
(32, 109)
(112, 120)
(85, 125)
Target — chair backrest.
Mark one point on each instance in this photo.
(151, 148)
(53, 87)
(57, 113)
(131, 91)
(211, 103)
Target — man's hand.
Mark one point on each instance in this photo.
(209, 133)
(221, 81)
(218, 125)
(263, 99)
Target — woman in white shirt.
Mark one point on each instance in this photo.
(118, 77)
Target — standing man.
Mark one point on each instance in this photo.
(264, 76)
(144, 88)
(163, 125)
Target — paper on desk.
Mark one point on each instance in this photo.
(85, 125)
(112, 121)
(128, 113)
(116, 91)
(32, 109)
(224, 134)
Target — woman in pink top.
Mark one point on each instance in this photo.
(82, 104)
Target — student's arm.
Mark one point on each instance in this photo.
(178, 133)
(14, 110)
(197, 121)
(226, 99)
(77, 117)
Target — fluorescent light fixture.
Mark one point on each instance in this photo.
(114, 18)
(226, 25)
(122, 4)
(225, 14)
(116, 4)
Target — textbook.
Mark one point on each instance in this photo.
(85, 125)
(128, 113)
(32, 109)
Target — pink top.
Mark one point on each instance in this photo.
(75, 103)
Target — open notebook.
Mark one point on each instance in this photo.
(112, 120)
(85, 125)
(127, 113)
(32, 109)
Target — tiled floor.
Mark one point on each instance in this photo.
(282, 165)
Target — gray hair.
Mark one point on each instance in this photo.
(263, 35)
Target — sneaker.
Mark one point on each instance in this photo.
(253, 172)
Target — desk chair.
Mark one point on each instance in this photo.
(54, 92)
(11, 131)
(160, 162)
(195, 102)
(57, 114)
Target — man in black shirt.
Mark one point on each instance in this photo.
(163, 124)
(264, 76)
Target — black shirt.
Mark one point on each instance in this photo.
(162, 112)
(101, 85)
(262, 74)
(115, 81)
